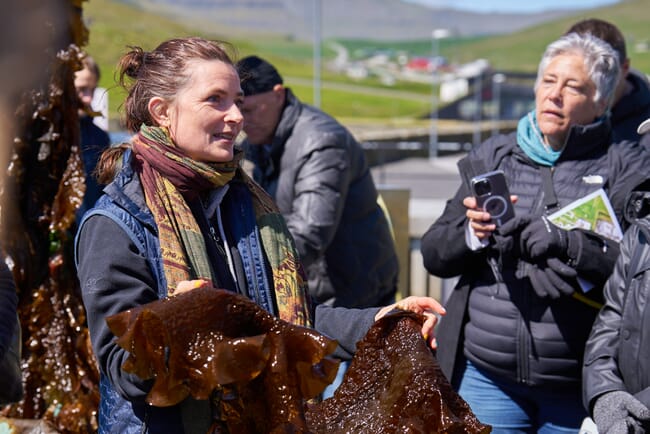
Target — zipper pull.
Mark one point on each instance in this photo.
(218, 243)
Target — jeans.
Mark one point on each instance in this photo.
(516, 408)
(330, 389)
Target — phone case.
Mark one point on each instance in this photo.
(492, 195)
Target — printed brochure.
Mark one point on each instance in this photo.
(593, 212)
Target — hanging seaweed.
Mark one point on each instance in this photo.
(42, 188)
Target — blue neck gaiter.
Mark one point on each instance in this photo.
(531, 142)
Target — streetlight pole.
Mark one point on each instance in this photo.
(317, 53)
(478, 115)
(497, 80)
(436, 35)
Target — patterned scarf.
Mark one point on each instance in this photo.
(170, 179)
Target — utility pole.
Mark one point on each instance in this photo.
(436, 35)
(478, 115)
(317, 18)
(497, 80)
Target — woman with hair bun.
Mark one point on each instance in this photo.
(178, 212)
(166, 218)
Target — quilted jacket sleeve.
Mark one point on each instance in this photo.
(600, 371)
(319, 194)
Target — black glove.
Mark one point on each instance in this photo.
(507, 237)
(620, 412)
(541, 238)
(504, 244)
(515, 225)
(552, 278)
(561, 269)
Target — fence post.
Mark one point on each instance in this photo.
(396, 200)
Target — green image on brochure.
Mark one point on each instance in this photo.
(593, 212)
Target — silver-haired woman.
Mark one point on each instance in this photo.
(513, 339)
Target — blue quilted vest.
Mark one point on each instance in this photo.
(117, 414)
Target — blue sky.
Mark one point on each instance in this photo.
(515, 5)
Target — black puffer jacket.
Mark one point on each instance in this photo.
(504, 327)
(318, 175)
(617, 355)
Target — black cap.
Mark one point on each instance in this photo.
(257, 75)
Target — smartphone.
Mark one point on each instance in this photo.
(492, 195)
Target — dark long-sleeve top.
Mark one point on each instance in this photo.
(347, 326)
(94, 141)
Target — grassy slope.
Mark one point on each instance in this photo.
(114, 25)
(522, 50)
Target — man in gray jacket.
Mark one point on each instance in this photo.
(317, 173)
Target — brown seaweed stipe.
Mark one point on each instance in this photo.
(394, 385)
(209, 343)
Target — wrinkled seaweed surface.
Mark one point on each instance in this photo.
(394, 385)
(212, 344)
(258, 371)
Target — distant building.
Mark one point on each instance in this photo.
(419, 64)
(357, 71)
(515, 96)
(426, 64)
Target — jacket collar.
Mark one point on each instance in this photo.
(126, 191)
(267, 157)
(290, 114)
(587, 140)
(583, 141)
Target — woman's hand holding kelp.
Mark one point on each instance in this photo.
(427, 306)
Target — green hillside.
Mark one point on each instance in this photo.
(114, 25)
(521, 51)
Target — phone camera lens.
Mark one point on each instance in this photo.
(482, 187)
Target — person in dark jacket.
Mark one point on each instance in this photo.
(93, 139)
(11, 386)
(317, 174)
(179, 212)
(513, 339)
(616, 371)
(631, 102)
(644, 131)
(8, 308)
